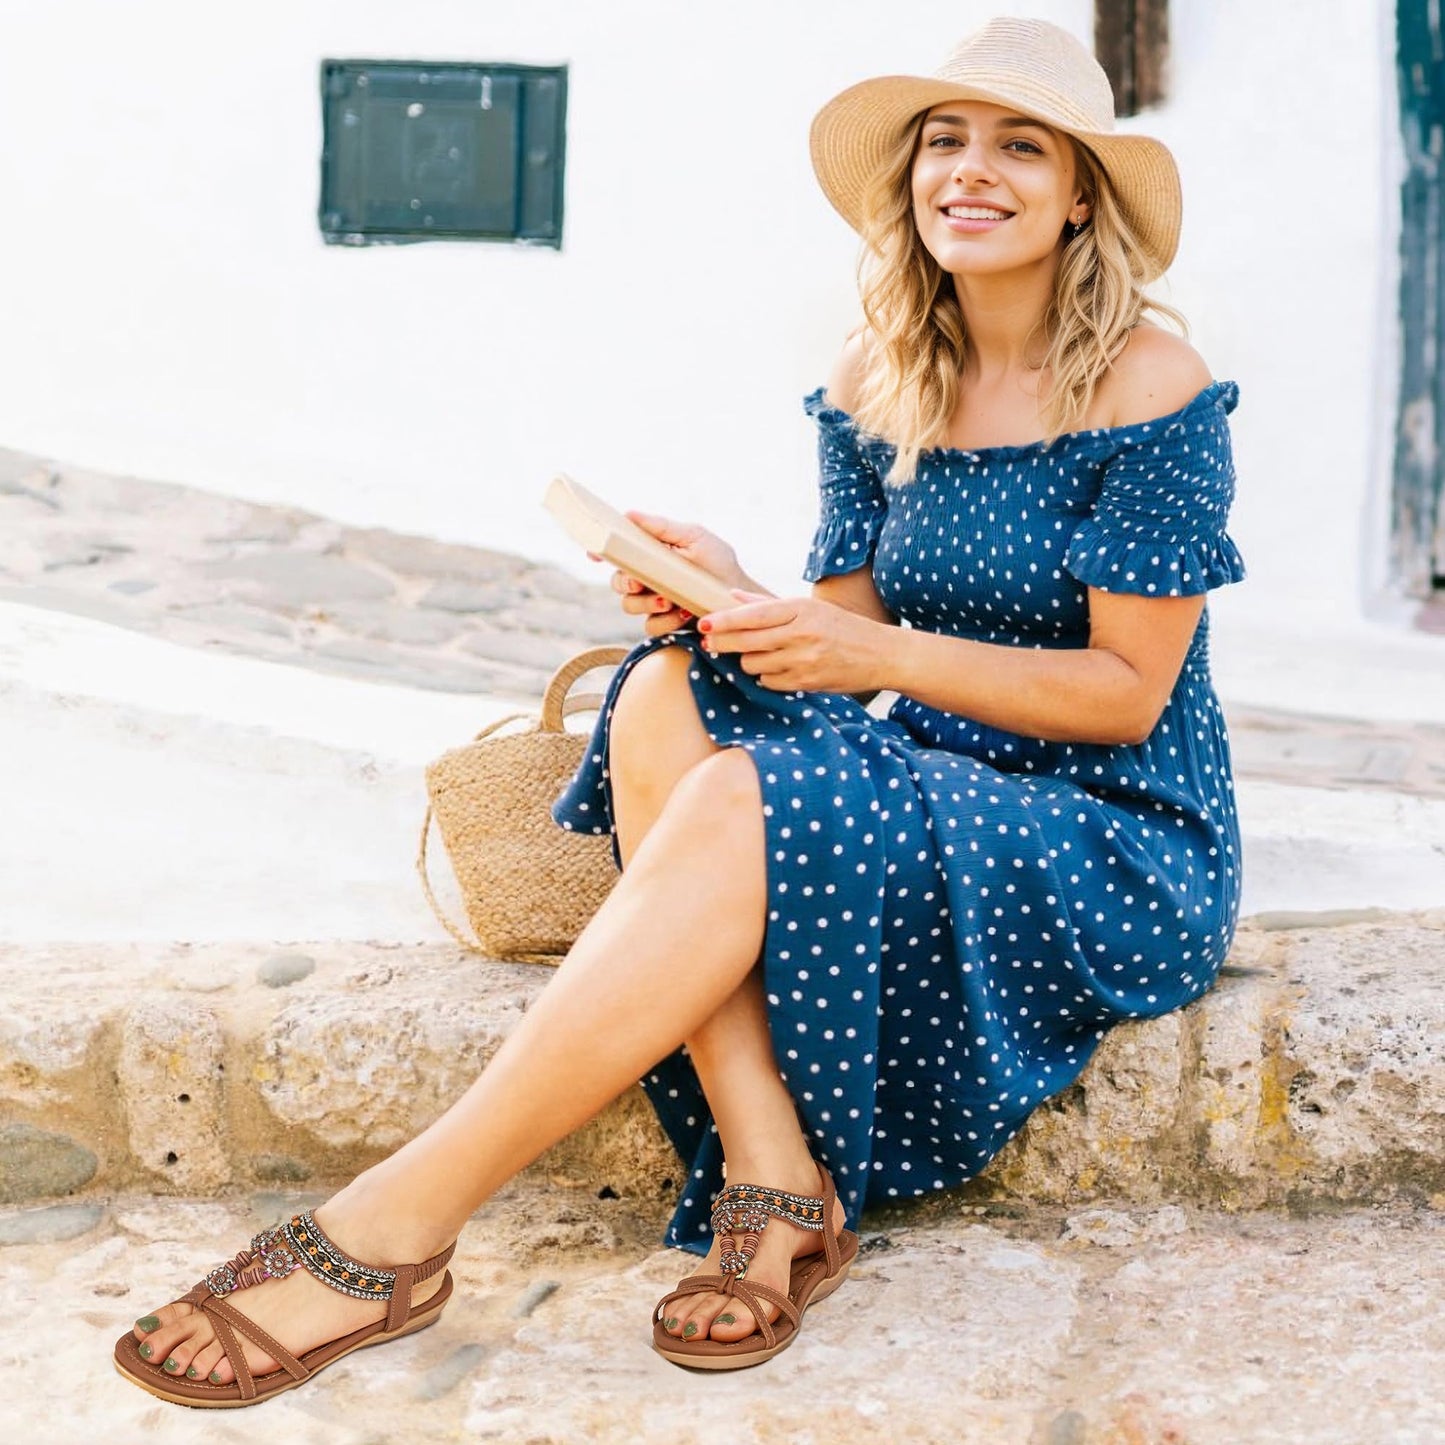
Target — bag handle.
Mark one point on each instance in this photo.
(556, 707)
(554, 699)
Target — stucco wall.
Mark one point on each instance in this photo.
(170, 309)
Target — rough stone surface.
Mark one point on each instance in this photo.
(1366, 1054)
(286, 968)
(521, 647)
(464, 597)
(38, 1164)
(170, 1078)
(42, 1043)
(324, 1065)
(300, 581)
(1234, 1078)
(411, 627)
(992, 1330)
(1116, 1124)
(1114, 1227)
(51, 1225)
(1008, 1322)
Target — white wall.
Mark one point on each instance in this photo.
(170, 310)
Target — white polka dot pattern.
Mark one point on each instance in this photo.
(957, 913)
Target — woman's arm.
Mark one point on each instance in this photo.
(1111, 691)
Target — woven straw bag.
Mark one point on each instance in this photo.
(528, 886)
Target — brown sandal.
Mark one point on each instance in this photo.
(742, 1212)
(297, 1243)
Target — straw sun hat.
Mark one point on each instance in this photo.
(1032, 67)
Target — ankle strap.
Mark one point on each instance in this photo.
(741, 1212)
(407, 1275)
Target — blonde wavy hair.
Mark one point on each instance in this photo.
(915, 341)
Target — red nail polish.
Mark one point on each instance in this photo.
(704, 625)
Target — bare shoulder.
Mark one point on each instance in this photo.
(1155, 374)
(845, 382)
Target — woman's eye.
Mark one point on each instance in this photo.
(1024, 147)
(940, 141)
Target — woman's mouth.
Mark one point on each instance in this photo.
(974, 218)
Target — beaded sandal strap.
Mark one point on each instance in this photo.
(301, 1243)
(742, 1212)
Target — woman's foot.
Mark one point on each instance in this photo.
(719, 1317)
(299, 1312)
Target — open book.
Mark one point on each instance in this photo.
(602, 529)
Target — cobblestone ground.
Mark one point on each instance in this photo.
(287, 585)
(1106, 1326)
(290, 586)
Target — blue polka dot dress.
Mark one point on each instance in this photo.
(957, 913)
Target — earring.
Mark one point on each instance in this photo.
(1075, 226)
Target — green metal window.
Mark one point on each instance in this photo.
(416, 152)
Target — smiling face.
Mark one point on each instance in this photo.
(993, 190)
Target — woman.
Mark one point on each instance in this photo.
(882, 941)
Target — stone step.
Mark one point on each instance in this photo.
(1314, 1071)
(997, 1325)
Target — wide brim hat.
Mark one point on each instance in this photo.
(1034, 68)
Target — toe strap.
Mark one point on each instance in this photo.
(749, 1292)
(229, 1322)
(753, 1295)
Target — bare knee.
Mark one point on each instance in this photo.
(720, 792)
(656, 733)
(655, 738)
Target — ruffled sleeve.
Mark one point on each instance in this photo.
(1158, 528)
(852, 500)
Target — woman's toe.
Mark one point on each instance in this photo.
(699, 1324)
(733, 1323)
(690, 1321)
(157, 1346)
(204, 1362)
(175, 1363)
(167, 1318)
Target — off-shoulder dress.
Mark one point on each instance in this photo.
(958, 913)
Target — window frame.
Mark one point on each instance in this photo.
(538, 144)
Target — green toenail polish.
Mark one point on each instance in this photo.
(690, 1328)
(146, 1352)
(192, 1373)
(214, 1377)
(147, 1323)
(171, 1365)
(727, 1319)
(669, 1324)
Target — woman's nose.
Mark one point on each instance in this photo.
(971, 163)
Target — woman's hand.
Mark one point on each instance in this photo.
(695, 543)
(801, 644)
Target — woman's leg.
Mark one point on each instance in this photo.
(657, 738)
(673, 941)
(680, 933)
